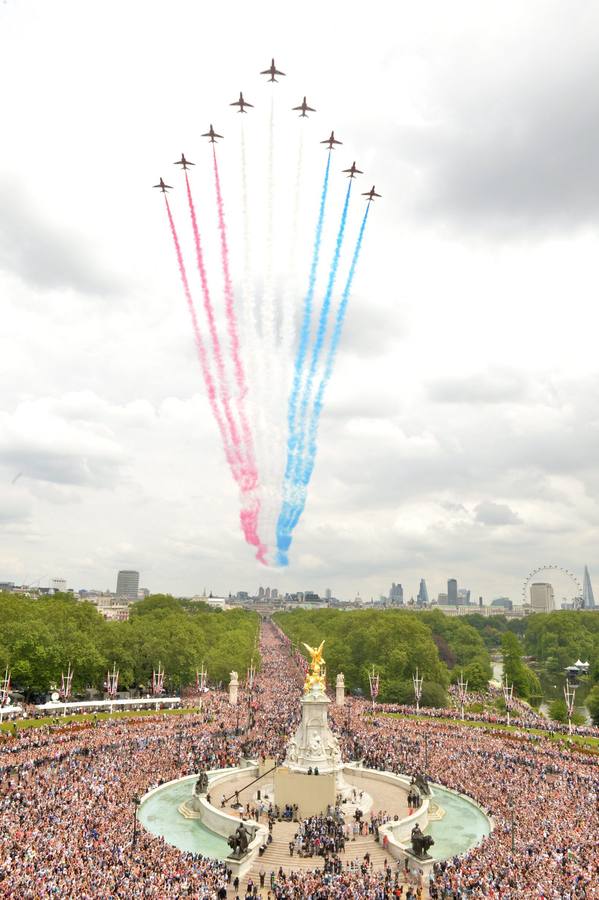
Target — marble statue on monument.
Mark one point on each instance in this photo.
(340, 690)
(314, 746)
(233, 688)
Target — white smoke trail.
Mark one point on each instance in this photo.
(269, 390)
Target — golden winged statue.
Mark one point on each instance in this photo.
(315, 677)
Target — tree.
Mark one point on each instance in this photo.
(593, 704)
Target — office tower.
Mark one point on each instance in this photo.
(274, 594)
(588, 600)
(260, 593)
(328, 594)
(452, 592)
(463, 597)
(59, 585)
(541, 597)
(504, 602)
(480, 601)
(267, 594)
(396, 593)
(127, 584)
(422, 598)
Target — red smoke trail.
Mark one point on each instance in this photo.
(224, 392)
(250, 514)
(232, 458)
(251, 505)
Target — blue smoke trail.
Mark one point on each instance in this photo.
(318, 345)
(284, 538)
(302, 350)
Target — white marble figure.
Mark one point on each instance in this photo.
(233, 688)
(340, 690)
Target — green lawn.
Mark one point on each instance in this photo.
(91, 717)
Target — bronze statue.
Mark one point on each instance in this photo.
(239, 841)
(201, 786)
(421, 842)
(422, 785)
(315, 678)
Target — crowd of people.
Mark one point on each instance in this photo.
(68, 802)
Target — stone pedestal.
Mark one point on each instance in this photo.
(340, 690)
(233, 689)
(314, 746)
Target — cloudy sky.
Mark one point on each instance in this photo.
(460, 437)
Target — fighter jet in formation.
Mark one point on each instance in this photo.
(163, 187)
(272, 71)
(353, 171)
(304, 109)
(212, 135)
(241, 103)
(371, 194)
(184, 163)
(331, 141)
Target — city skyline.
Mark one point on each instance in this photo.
(460, 436)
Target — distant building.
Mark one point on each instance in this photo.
(328, 594)
(442, 599)
(541, 597)
(452, 592)
(503, 602)
(422, 597)
(463, 597)
(7, 585)
(143, 593)
(588, 599)
(111, 607)
(396, 593)
(59, 585)
(274, 594)
(127, 584)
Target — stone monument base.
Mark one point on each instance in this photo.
(311, 793)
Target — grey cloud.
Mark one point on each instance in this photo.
(489, 513)
(62, 466)
(523, 154)
(370, 330)
(44, 255)
(485, 387)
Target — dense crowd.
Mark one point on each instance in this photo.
(67, 802)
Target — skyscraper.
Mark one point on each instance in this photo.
(396, 593)
(127, 584)
(452, 592)
(541, 597)
(422, 597)
(588, 599)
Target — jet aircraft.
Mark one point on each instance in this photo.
(185, 163)
(163, 187)
(272, 71)
(212, 135)
(304, 109)
(371, 194)
(241, 103)
(353, 171)
(332, 140)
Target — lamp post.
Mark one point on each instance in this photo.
(373, 679)
(508, 691)
(136, 802)
(66, 682)
(462, 693)
(513, 825)
(569, 697)
(417, 681)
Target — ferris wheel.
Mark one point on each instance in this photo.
(574, 587)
